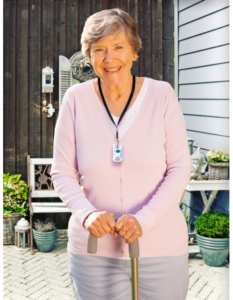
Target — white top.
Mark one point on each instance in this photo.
(129, 117)
(131, 114)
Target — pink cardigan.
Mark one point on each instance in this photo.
(155, 170)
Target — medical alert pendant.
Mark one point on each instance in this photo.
(117, 153)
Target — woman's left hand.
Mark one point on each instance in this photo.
(132, 228)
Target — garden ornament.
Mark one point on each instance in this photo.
(81, 68)
(22, 235)
(198, 162)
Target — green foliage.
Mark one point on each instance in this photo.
(187, 216)
(217, 155)
(213, 224)
(15, 195)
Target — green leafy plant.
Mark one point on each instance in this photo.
(187, 216)
(44, 226)
(217, 155)
(213, 224)
(15, 195)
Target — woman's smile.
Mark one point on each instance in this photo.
(112, 70)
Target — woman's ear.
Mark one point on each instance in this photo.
(135, 56)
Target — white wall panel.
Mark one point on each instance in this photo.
(205, 57)
(209, 141)
(205, 74)
(207, 124)
(213, 21)
(215, 108)
(201, 9)
(218, 90)
(186, 3)
(204, 41)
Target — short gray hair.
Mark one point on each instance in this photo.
(109, 22)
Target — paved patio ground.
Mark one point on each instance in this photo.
(45, 276)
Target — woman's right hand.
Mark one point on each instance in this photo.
(99, 223)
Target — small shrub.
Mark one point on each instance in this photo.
(15, 195)
(213, 224)
(44, 226)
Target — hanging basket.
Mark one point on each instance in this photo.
(218, 171)
(9, 228)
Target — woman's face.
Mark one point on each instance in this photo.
(112, 58)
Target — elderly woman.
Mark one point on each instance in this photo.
(126, 135)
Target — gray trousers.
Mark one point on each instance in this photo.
(104, 278)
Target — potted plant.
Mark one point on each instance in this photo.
(15, 204)
(218, 162)
(45, 234)
(213, 237)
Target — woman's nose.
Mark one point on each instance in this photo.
(108, 56)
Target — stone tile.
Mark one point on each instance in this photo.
(192, 293)
(5, 292)
(220, 270)
(224, 297)
(16, 296)
(199, 285)
(35, 288)
(41, 292)
(205, 292)
(214, 296)
(189, 297)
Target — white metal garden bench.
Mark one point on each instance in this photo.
(36, 190)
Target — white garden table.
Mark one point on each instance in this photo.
(204, 185)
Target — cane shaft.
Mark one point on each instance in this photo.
(134, 279)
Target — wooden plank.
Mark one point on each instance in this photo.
(207, 40)
(64, 44)
(47, 60)
(219, 108)
(3, 87)
(84, 13)
(156, 60)
(186, 3)
(145, 37)
(201, 9)
(205, 74)
(168, 42)
(47, 55)
(216, 90)
(209, 141)
(72, 27)
(207, 23)
(22, 89)
(176, 44)
(98, 6)
(34, 76)
(208, 124)
(59, 49)
(44, 194)
(52, 210)
(122, 4)
(208, 185)
(204, 58)
(9, 84)
(133, 11)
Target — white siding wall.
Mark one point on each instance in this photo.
(203, 80)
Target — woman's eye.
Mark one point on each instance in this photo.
(98, 50)
(118, 47)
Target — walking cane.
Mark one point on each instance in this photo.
(133, 253)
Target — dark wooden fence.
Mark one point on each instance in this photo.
(36, 32)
